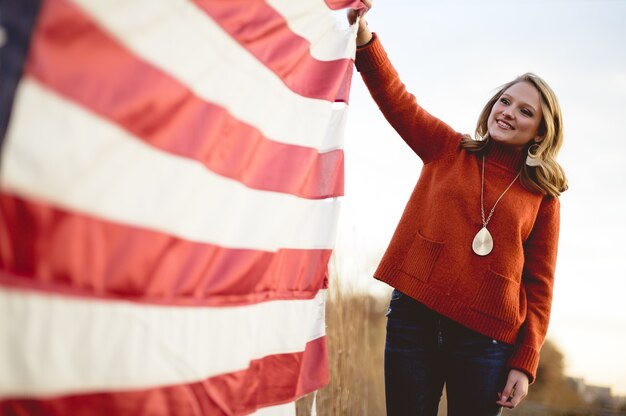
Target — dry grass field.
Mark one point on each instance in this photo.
(356, 339)
(356, 336)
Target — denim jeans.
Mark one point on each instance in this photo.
(424, 350)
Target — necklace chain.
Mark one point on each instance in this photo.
(482, 188)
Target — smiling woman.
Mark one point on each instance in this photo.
(525, 114)
(451, 57)
(471, 306)
(514, 118)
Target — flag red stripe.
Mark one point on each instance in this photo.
(73, 56)
(344, 4)
(271, 380)
(267, 36)
(47, 248)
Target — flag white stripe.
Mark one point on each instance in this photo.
(288, 409)
(79, 161)
(313, 21)
(218, 69)
(55, 344)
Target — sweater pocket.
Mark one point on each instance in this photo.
(421, 258)
(498, 297)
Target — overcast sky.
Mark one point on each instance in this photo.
(452, 55)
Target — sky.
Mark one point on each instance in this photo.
(452, 55)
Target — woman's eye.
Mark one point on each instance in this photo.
(527, 113)
(504, 101)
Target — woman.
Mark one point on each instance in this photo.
(472, 260)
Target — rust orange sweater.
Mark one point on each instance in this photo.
(505, 295)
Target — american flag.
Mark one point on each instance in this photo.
(169, 183)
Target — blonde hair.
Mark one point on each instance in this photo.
(548, 177)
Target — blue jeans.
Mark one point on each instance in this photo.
(424, 350)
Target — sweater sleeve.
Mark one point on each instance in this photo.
(429, 137)
(540, 250)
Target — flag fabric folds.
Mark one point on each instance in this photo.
(169, 187)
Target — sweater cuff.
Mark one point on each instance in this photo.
(525, 359)
(370, 56)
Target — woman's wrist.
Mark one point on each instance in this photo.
(363, 35)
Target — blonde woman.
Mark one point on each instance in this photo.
(472, 260)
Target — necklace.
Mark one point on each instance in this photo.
(483, 242)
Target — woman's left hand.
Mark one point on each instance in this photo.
(515, 390)
(363, 35)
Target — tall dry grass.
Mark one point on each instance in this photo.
(356, 336)
(355, 332)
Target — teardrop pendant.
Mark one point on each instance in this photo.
(483, 242)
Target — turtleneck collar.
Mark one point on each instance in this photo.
(505, 156)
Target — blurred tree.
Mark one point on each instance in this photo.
(551, 386)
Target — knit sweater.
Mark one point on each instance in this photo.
(506, 294)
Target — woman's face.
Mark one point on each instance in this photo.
(515, 117)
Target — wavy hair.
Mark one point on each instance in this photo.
(548, 176)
